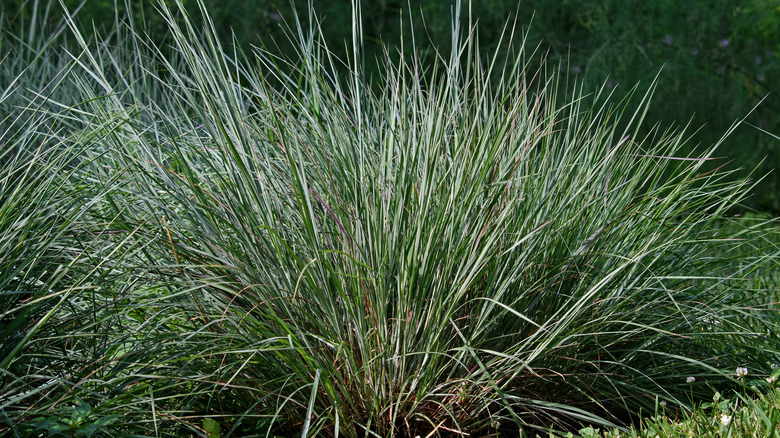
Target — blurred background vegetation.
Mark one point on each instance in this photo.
(718, 58)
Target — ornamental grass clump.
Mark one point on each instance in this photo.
(49, 257)
(468, 246)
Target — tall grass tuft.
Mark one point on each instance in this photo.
(46, 270)
(471, 247)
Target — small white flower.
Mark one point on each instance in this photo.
(773, 366)
(770, 380)
(741, 372)
(662, 403)
(690, 379)
(725, 419)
